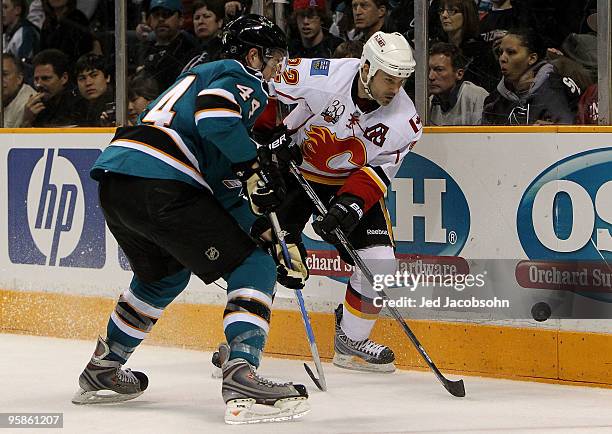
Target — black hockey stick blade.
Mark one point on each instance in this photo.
(455, 388)
(314, 379)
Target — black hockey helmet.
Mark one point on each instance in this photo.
(252, 31)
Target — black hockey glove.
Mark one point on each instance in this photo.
(284, 148)
(262, 181)
(344, 213)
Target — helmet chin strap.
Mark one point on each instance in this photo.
(366, 85)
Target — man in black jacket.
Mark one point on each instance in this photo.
(54, 104)
(172, 49)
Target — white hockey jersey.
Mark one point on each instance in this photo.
(342, 145)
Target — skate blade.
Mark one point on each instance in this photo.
(246, 411)
(83, 397)
(358, 364)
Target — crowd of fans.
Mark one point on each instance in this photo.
(496, 62)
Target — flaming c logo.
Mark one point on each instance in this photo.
(323, 150)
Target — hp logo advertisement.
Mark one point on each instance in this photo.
(53, 213)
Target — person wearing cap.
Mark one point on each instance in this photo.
(172, 49)
(311, 18)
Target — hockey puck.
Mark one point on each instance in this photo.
(541, 311)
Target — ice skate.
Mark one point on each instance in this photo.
(364, 355)
(103, 381)
(250, 398)
(219, 357)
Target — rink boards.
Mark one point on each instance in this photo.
(518, 200)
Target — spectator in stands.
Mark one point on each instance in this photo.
(15, 93)
(172, 49)
(460, 25)
(235, 8)
(311, 18)
(401, 17)
(93, 80)
(368, 18)
(54, 104)
(349, 49)
(141, 91)
(588, 106)
(36, 13)
(582, 48)
(452, 100)
(65, 28)
(20, 37)
(570, 69)
(496, 23)
(530, 92)
(342, 19)
(207, 24)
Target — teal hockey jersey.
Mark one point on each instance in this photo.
(193, 132)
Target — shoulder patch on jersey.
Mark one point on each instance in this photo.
(415, 123)
(319, 67)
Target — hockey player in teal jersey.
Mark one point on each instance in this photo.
(170, 188)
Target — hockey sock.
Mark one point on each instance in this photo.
(359, 314)
(137, 311)
(246, 319)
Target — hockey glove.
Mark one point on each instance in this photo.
(284, 148)
(293, 278)
(262, 181)
(344, 213)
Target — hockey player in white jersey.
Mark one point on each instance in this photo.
(355, 124)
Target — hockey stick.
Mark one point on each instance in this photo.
(455, 388)
(319, 382)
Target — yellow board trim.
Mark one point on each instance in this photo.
(552, 356)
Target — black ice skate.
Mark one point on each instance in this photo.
(364, 355)
(250, 398)
(103, 381)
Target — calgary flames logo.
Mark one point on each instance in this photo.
(328, 153)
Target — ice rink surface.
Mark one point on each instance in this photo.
(39, 374)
